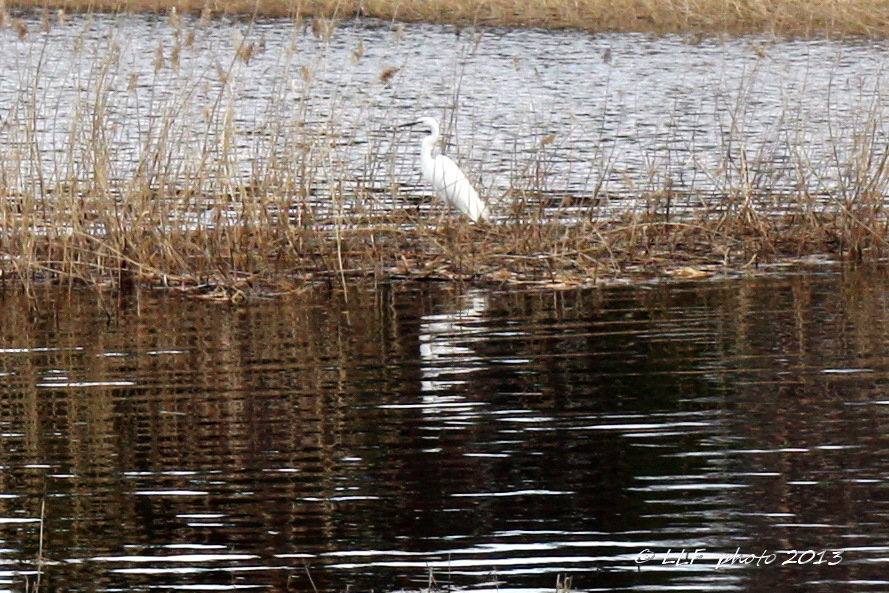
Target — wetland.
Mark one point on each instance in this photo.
(242, 348)
(235, 158)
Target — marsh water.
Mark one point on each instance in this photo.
(560, 115)
(647, 438)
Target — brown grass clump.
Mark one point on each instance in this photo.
(264, 256)
(868, 18)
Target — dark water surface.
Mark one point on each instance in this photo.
(497, 439)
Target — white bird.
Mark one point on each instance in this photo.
(448, 181)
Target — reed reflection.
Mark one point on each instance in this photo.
(177, 442)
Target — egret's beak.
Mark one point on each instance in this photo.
(408, 125)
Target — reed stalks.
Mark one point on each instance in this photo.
(161, 177)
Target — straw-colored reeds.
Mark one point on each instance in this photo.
(790, 17)
(160, 179)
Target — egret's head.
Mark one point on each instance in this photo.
(424, 124)
(428, 124)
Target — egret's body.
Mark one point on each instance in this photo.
(448, 181)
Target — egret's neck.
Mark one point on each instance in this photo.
(427, 144)
(426, 147)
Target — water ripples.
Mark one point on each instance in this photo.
(497, 439)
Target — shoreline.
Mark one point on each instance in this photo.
(508, 253)
(790, 18)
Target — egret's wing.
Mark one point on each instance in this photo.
(451, 185)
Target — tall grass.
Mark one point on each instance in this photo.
(790, 17)
(170, 170)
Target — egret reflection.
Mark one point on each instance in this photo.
(447, 354)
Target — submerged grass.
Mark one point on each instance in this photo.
(157, 177)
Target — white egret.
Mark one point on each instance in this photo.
(448, 181)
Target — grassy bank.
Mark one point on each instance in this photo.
(868, 18)
(259, 252)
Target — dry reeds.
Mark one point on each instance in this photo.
(784, 17)
(169, 171)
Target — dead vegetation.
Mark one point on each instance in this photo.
(192, 199)
(869, 18)
(268, 257)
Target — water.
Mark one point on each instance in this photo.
(551, 114)
(501, 440)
